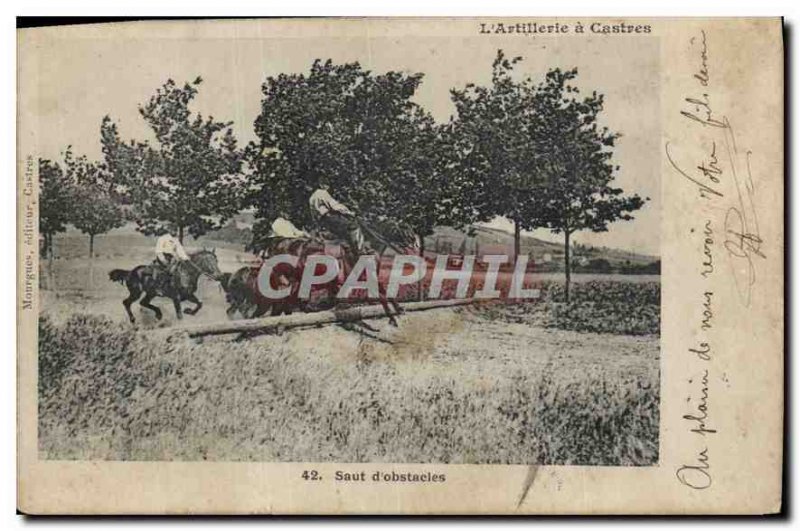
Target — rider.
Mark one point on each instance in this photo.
(283, 228)
(169, 252)
(282, 233)
(336, 218)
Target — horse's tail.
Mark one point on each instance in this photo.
(119, 275)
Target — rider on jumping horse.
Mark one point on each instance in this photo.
(282, 234)
(334, 217)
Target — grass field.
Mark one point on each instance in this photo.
(499, 383)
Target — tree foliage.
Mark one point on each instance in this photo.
(190, 181)
(576, 163)
(537, 154)
(497, 148)
(533, 152)
(356, 132)
(95, 209)
(55, 201)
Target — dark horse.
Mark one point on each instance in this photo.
(241, 289)
(154, 281)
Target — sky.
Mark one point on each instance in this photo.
(81, 80)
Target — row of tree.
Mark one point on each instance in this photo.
(530, 151)
(78, 192)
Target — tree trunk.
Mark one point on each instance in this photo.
(421, 287)
(517, 231)
(44, 245)
(180, 234)
(566, 265)
(91, 246)
(91, 275)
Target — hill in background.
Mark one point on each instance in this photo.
(480, 240)
(547, 255)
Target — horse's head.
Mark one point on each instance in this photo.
(406, 239)
(412, 242)
(206, 261)
(381, 234)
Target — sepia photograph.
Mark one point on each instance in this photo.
(165, 186)
(421, 256)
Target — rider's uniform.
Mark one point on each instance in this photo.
(339, 220)
(169, 250)
(323, 203)
(283, 228)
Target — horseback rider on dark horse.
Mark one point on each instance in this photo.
(169, 253)
(174, 274)
(359, 239)
(241, 291)
(332, 216)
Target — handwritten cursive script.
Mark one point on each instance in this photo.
(743, 240)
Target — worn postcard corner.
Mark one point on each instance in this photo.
(401, 266)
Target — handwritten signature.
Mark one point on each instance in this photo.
(743, 240)
(742, 236)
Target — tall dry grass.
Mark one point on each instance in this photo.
(109, 392)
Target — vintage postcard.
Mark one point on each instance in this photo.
(401, 266)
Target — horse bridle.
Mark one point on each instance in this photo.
(209, 275)
(378, 236)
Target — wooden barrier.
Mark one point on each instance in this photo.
(298, 320)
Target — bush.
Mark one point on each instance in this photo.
(611, 307)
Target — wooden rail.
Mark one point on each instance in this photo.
(298, 320)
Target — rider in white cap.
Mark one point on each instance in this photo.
(340, 221)
(169, 251)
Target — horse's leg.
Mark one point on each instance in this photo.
(145, 303)
(259, 310)
(385, 303)
(134, 292)
(238, 302)
(330, 290)
(382, 295)
(382, 288)
(231, 311)
(176, 302)
(193, 299)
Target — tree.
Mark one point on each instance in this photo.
(191, 181)
(95, 210)
(495, 148)
(55, 201)
(425, 190)
(356, 132)
(576, 160)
